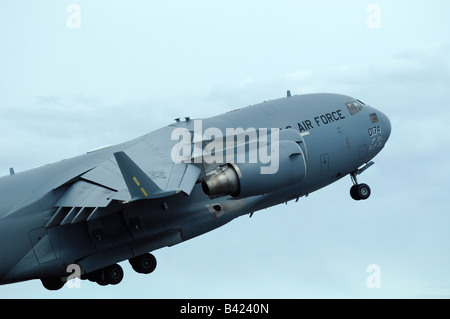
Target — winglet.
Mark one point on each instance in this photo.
(139, 184)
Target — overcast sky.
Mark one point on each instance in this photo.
(76, 75)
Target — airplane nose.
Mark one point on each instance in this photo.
(386, 126)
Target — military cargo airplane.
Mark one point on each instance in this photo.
(86, 214)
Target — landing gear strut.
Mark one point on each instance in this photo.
(359, 191)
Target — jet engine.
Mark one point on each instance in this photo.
(248, 179)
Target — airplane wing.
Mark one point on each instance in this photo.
(125, 175)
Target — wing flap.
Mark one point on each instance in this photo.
(89, 195)
(85, 194)
(189, 178)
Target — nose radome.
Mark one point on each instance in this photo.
(386, 126)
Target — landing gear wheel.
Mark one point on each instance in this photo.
(363, 191)
(52, 283)
(353, 193)
(102, 281)
(97, 276)
(93, 276)
(110, 275)
(143, 264)
(360, 192)
(113, 274)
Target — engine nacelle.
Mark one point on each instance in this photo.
(246, 179)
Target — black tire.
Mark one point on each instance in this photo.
(52, 283)
(354, 192)
(113, 274)
(363, 191)
(143, 264)
(95, 276)
(102, 281)
(360, 192)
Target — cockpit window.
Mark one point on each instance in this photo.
(374, 117)
(354, 106)
(358, 105)
(351, 108)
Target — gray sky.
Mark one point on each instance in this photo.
(133, 66)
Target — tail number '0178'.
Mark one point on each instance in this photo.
(374, 130)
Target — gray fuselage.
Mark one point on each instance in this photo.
(337, 139)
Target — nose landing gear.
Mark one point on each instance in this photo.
(359, 191)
